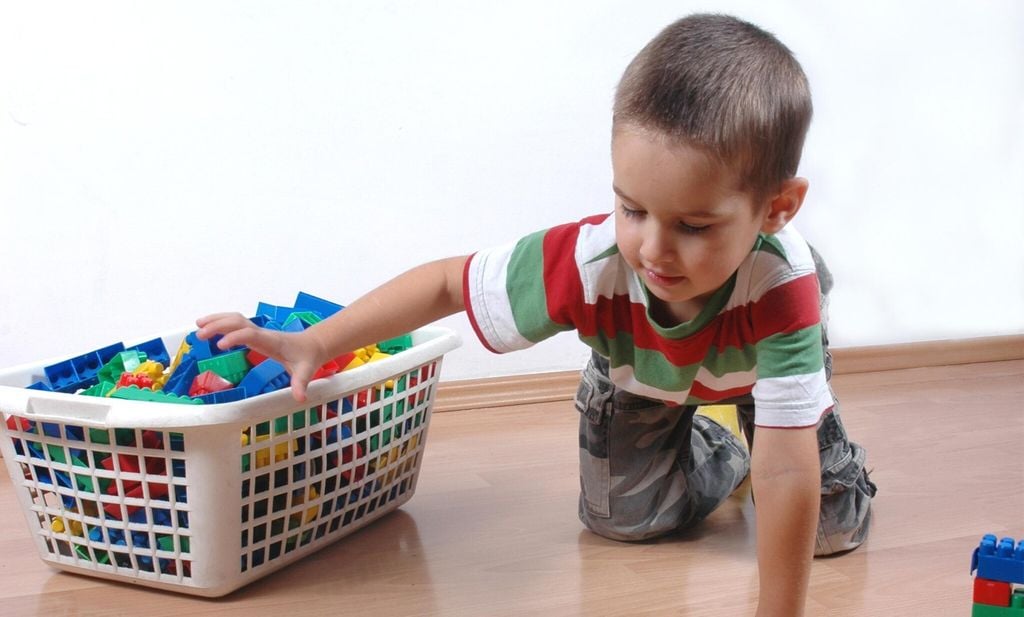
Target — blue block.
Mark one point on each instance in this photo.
(181, 380)
(266, 376)
(154, 350)
(62, 376)
(224, 396)
(260, 320)
(51, 430)
(87, 365)
(999, 562)
(272, 312)
(107, 353)
(296, 325)
(309, 302)
(202, 350)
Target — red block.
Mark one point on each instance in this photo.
(993, 593)
(208, 382)
(142, 381)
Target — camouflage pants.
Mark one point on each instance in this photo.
(648, 469)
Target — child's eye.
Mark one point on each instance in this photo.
(629, 212)
(693, 229)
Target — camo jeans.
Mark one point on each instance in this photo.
(648, 469)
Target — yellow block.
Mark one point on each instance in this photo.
(726, 415)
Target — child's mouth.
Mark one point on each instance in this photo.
(663, 280)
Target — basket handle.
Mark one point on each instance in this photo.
(77, 411)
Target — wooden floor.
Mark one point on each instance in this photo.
(492, 529)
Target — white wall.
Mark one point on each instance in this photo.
(159, 161)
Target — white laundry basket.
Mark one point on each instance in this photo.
(203, 499)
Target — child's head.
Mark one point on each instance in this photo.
(709, 122)
(723, 86)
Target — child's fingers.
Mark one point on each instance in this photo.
(220, 323)
(298, 390)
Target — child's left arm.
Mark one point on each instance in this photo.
(785, 474)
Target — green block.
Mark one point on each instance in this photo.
(126, 361)
(1016, 608)
(84, 483)
(166, 543)
(56, 454)
(396, 345)
(103, 388)
(97, 435)
(231, 366)
(306, 317)
(134, 393)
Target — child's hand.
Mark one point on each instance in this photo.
(299, 352)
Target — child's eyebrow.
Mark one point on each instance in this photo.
(697, 214)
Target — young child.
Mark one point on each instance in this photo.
(695, 290)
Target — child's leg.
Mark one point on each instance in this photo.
(646, 468)
(846, 490)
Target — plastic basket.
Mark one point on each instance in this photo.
(203, 499)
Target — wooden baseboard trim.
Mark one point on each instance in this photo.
(561, 385)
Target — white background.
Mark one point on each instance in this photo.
(159, 161)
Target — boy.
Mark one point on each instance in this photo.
(694, 291)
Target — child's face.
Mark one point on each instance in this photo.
(680, 223)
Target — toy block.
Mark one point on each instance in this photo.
(272, 312)
(208, 382)
(101, 389)
(106, 354)
(87, 365)
(131, 379)
(134, 393)
(154, 350)
(122, 362)
(260, 321)
(307, 318)
(309, 302)
(1003, 562)
(201, 350)
(181, 380)
(231, 366)
(267, 376)
(62, 376)
(224, 396)
(329, 368)
(395, 345)
(1015, 609)
(994, 593)
(179, 355)
(377, 357)
(293, 325)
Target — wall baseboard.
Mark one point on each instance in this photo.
(561, 385)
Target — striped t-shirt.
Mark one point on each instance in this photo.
(759, 334)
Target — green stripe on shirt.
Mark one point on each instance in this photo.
(793, 353)
(527, 296)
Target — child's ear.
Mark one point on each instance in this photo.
(785, 204)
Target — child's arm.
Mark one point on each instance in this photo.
(785, 473)
(413, 299)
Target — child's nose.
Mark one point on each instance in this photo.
(657, 247)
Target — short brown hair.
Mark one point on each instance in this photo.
(725, 86)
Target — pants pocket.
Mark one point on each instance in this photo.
(593, 401)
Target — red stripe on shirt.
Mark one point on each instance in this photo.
(563, 288)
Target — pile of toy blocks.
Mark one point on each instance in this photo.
(201, 372)
(1000, 567)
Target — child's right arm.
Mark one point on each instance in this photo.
(413, 299)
